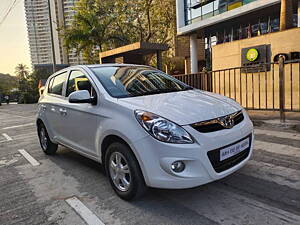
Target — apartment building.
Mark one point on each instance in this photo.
(39, 33)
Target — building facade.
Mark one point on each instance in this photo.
(39, 33)
(228, 28)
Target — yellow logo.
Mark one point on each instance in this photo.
(252, 54)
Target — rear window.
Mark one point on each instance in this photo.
(56, 84)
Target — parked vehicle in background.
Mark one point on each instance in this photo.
(147, 128)
(6, 97)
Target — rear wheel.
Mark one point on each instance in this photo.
(124, 172)
(47, 145)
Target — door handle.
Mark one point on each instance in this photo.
(63, 112)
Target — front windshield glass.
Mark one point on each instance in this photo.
(130, 81)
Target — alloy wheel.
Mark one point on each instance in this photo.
(43, 138)
(119, 171)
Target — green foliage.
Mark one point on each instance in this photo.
(7, 84)
(22, 71)
(28, 84)
(100, 25)
(28, 91)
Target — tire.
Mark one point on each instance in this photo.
(134, 177)
(48, 147)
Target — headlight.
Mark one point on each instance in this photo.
(163, 129)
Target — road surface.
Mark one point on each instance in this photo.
(70, 189)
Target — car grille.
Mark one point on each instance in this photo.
(220, 166)
(218, 123)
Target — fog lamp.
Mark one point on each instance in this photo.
(178, 166)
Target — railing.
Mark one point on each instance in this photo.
(201, 80)
(271, 86)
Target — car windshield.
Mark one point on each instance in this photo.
(130, 81)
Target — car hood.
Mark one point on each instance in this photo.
(184, 107)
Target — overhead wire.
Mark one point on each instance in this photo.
(12, 6)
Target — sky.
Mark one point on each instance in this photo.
(14, 47)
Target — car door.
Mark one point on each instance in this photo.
(54, 101)
(80, 120)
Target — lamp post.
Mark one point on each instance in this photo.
(52, 42)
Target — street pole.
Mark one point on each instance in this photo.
(281, 88)
(52, 42)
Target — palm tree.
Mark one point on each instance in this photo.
(286, 14)
(22, 71)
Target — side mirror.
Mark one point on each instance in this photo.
(82, 96)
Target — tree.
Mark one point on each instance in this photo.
(100, 25)
(286, 14)
(22, 71)
(27, 84)
(89, 30)
(7, 83)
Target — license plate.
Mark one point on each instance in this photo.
(232, 150)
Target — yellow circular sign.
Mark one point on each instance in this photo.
(252, 54)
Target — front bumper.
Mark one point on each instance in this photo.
(156, 157)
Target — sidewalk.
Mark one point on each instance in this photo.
(272, 118)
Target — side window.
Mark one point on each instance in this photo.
(78, 81)
(57, 83)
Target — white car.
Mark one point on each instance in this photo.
(147, 128)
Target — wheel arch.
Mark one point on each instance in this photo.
(39, 121)
(109, 139)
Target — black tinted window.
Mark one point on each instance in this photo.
(129, 81)
(78, 81)
(57, 83)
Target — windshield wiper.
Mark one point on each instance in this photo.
(187, 88)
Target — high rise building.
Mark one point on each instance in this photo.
(39, 33)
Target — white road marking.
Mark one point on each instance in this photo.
(7, 162)
(17, 126)
(8, 138)
(277, 148)
(280, 134)
(29, 158)
(87, 215)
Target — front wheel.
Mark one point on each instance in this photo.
(47, 145)
(124, 172)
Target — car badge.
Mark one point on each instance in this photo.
(226, 122)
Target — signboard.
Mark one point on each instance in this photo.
(256, 58)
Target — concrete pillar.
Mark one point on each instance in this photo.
(298, 11)
(180, 20)
(286, 14)
(194, 53)
(159, 60)
(186, 66)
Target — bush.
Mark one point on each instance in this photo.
(27, 98)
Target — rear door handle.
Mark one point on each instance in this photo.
(63, 112)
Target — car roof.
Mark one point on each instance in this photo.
(114, 64)
(90, 66)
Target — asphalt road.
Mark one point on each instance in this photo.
(265, 191)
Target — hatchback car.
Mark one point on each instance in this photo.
(147, 128)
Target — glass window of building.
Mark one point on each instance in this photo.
(196, 10)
